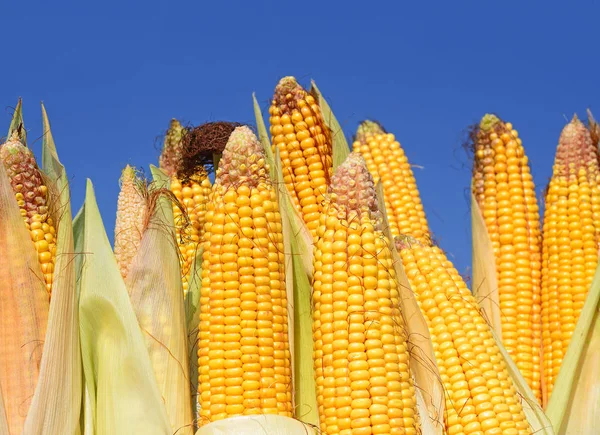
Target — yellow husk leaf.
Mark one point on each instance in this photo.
(575, 405)
(263, 136)
(123, 394)
(485, 282)
(56, 405)
(256, 425)
(154, 285)
(340, 145)
(192, 310)
(430, 393)
(24, 310)
(3, 420)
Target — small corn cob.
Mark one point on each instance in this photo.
(244, 357)
(305, 147)
(131, 208)
(361, 359)
(32, 197)
(480, 395)
(570, 244)
(387, 162)
(192, 193)
(505, 193)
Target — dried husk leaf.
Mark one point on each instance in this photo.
(56, 405)
(154, 285)
(423, 365)
(577, 407)
(17, 122)
(485, 282)
(340, 145)
(123, 393)
(256, 425)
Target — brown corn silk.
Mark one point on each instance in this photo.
(154, 285)
(32, 196)
(24, 308)
(244, 356)
(131, 208)
(480, 395)
(361, 357)
(305, 145)
(571, 234)
(505, 194)
(192, 193)
(387, 162)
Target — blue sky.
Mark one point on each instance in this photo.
(112, 75)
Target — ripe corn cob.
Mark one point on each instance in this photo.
(131, 208)
(364, 384)
(305, 146)
(192, 192)
(243, 357)
(387, 162)
(570, 242)
(32, 197)
(504, 189)
(480, 395)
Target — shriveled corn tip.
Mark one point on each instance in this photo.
(488, 122)
(575, 148)
(368, 128)
(352, 187)
(131, 207)
(243, 160)
(171, 154)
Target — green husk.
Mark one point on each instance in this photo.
(574, 406)
(17, 120)
(192, 311)
(485, 283)
(123, 393)
(430, 393)
(340, 145)
(56, 405)
(156, 293)
(299, 298)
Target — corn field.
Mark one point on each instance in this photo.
(284, 280)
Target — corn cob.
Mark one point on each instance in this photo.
(131, 208)
(364, 384)
(32, 197)
(571, 234)
(191, 192)
(243, 357)
(304, 142)
(480, 395)
(505, 192)
(387, 162)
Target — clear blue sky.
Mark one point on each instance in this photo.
(112, 74)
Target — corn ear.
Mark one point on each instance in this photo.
(340, 145)
(56, 404)
(123, 392)
(484, 283)
(577, 407)
(155, 290)
(430, 393)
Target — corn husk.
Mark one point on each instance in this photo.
(17, 122)
(298, 272)
(423, 365)
(256, 425)
(576, 408)
(485, 282)
(56, 404)
(340, 145)
(155, 290)
(485, 289)
(123, 395)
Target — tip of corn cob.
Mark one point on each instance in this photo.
(594, 128)
(369, 128)
(575, 147)
(243, 160)
(352, 188)
(171, 152)
(488, 122)
(287, 93)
